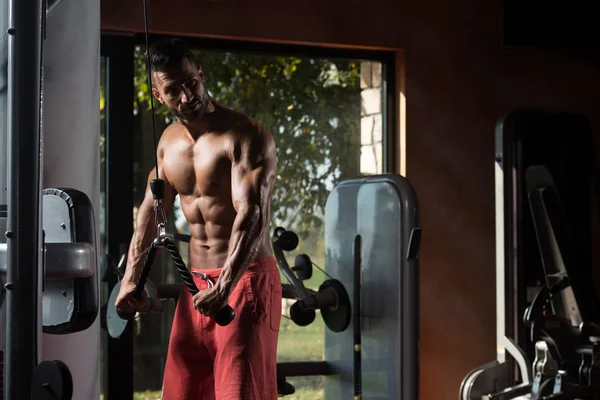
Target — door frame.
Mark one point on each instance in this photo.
(117, 366)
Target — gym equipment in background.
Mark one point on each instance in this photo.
(331, 298)
(372, 239)
(372, 243)
(546, 303)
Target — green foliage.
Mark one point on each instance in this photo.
(310, 105)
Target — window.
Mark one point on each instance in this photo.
(103, 127)
(327, 116)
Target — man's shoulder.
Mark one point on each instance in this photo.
(171, 138)
(249, 136)
(248, 129)
(171, 134)
(174, 130)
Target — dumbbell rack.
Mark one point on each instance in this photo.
(331, 298)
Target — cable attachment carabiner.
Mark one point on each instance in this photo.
(158, 192)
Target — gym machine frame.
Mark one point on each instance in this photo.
(24, 191)
(58, 260)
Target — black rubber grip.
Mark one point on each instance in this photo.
(158, 189)
(125, 316)
(141, 282)
(225, 316)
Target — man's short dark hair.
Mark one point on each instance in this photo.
(169, 53)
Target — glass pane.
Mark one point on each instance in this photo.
(103, 129)
(326, 117)
(103, 245)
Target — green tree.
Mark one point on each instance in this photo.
(312, 108)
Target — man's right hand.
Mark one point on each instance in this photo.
(126, 302)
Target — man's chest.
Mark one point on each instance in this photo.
(202, 168)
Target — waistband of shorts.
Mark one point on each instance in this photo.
(267, 264)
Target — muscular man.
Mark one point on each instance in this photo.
(222, 165)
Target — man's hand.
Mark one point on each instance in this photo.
(126, 302)
(210, 301)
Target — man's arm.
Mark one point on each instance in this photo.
(253, 173)
(145, 227)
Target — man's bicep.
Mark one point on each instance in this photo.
(253, 177)
(251, 187)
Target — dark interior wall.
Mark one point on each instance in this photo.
(459, 80)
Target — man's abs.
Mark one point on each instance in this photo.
(209, 211)
(209, 246)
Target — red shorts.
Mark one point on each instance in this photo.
(206, 361)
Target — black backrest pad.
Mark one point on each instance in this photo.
(81, 226)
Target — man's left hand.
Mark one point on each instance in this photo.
(209, 301)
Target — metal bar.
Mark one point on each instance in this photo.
(357, 378)
(500, 259)
(24, 197)
(303, 293)
(62, 260)
(288, 291)
(167, 291)
(181, 237)
(3, 116)
(305, 368)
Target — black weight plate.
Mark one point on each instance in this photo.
(300, 316)
(278, 231)
(288, 241)
(303, 267)
(52, 381)
(114, 324)
(337, 319)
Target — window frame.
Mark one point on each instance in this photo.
(117, 354)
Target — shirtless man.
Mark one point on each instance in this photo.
(222, 165)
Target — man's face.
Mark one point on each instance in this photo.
(182, 90)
